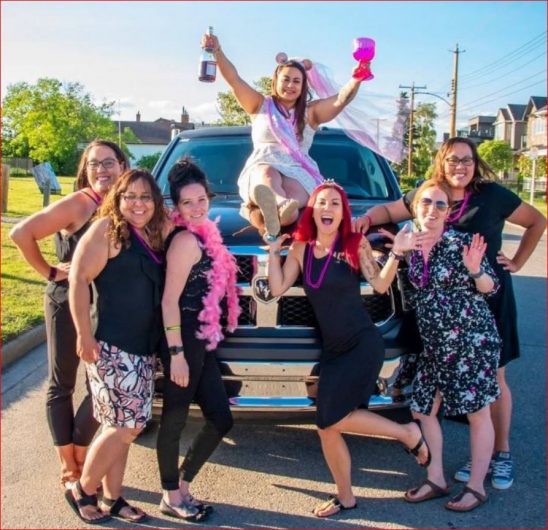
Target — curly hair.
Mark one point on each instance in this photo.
(482, 170)
(118, 230)
(302, 100)
(82, 173)
(307, 230)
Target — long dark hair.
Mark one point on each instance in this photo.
(307, 230)
(302, 100)
(82, 175)
(482, 170)
(183, 173)
(118, 231)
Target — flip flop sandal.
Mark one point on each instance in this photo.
(115, 506)
(332, 502)
(434, 493)
(266, 201)
(415, 450)
(480, 499)
(84, 500)
(286, 211)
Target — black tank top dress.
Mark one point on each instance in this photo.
(352, 347)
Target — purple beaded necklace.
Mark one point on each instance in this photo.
(457, 215)
(156, 257)
(423, 280)
(308, 268)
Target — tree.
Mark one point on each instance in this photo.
(149, 161)
(229, 108)
(497, 153)
(424, 137)
(525, 166)
(48, 120)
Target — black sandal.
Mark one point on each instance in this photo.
(202, 507)
(84, 500)
(415, 450)
(115, 506)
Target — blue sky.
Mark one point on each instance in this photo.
(145, 54)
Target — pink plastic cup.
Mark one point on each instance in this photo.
(364, 49)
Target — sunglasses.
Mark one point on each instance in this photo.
(441, 206)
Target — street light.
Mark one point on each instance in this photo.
(453, 131)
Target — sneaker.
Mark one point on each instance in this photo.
(503, 471)
(463, 474)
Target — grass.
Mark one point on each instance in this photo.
(22, 287)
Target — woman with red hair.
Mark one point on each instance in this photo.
(330, 258)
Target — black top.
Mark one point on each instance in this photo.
(487, 210)
(66, 245)
(197, 286)
(129, 300)
(337, 302)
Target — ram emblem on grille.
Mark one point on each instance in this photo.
(261, 290)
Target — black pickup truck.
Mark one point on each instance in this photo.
(270, 363)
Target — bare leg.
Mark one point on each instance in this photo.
(270, 177)
(501, 413)
(431, 429)
(482, 438)
(70, 470)
(295, 190)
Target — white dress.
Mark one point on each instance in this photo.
(267, 151)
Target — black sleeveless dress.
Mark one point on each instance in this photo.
(352, 347)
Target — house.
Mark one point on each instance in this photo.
(510, 126)
(480, 128)
(535, 115)
(153, 135)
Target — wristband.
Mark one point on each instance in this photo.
(52, 274)
(397, 257)
(476, 275)
(275, 253)
(174, 350)
(367, 216)
(171, 328)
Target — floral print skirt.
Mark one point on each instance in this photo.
(122, 386)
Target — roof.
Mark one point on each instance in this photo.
(516, 112)
(538, 101)
(154, 132)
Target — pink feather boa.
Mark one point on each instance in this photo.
(221, 278)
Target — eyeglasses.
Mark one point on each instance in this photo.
(107, 163)
(438, 205)
(131, 198)
(453, 161)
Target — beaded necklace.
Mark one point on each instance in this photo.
(308, 268)
(457, 215)
(156, 256)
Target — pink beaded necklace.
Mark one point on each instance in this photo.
(308, 268)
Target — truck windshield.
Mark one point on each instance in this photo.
(357, 169)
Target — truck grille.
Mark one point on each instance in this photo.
(292, 309)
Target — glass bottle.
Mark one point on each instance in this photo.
(208, 65)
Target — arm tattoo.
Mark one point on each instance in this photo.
(346, 94)
(368, 265)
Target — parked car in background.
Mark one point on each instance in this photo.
(270, 363)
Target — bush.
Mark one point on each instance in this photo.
(408, 183)
(149, 161)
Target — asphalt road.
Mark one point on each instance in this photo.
(271, 476)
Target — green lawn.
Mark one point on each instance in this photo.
(22, 288)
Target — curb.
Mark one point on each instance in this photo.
(21, 345)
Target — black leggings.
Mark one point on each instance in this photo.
(207, 389)
(65, 426)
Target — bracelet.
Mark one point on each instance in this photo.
(275, 253)
(172, 328)
(397, 257)
(367, 216)
(476, 275)
(174, 350)
(52, 274)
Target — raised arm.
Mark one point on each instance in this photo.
(249, 99)
(90, 258)
(280, 279)
(182, 254)
(326, 109)
(535, 224)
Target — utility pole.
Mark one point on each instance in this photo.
(453, 93)
(413, 89)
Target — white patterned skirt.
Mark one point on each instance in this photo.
(122, 386)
